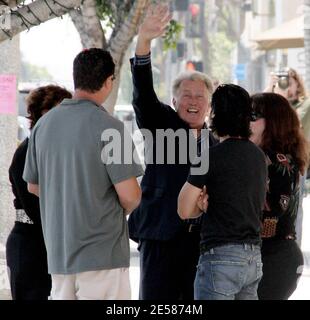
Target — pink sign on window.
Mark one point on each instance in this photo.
(7, 94)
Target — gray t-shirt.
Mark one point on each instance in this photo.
(84, 225)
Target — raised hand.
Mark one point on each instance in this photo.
(153, 26)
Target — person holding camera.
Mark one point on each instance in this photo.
(289, 84)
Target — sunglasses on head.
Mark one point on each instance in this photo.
(256, 116)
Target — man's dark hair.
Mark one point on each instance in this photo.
(231, 111)
(91, 68)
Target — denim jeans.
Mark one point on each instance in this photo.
(229, 272)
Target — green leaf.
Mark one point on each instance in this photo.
(172, 35)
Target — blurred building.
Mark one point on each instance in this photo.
(269, 35)
(272, 40)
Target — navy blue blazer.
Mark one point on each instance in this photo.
(156, 218)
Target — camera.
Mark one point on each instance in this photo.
(283, 82)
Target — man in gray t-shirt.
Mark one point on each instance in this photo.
(83, 197)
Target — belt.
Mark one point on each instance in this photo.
(247, 246)
(21, 216)
(193, 227)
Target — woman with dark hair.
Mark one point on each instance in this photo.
(276, 129)
(230, 265)
(25, 249)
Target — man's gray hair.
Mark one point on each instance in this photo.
(192, 75)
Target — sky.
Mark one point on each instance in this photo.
(53, 45)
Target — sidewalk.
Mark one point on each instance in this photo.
(134, 270)
(5, 293)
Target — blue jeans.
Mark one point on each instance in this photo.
(229, 272)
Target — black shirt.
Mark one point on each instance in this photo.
(236, 185)
(23, 198)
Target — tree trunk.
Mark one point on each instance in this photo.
(307, 41)
(205, 41)
(234, 16)
(9, 65)
(91, 33)
(119, 44)
(35, 13)
(88, 25)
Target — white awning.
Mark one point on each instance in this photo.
(287, 35)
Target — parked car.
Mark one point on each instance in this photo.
(23, 122)
(23, 128)
(125, 113)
